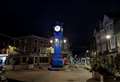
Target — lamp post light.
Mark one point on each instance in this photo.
(64, 40)
(51, 41)
(87, 51)
(108, 36)
(56, 40)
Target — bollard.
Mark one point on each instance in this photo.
(101, 78)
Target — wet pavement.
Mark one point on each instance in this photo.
(69, 74)
(80, 75)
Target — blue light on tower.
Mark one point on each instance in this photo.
(57, 60)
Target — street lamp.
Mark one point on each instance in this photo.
(51, 41)
(56, 39)
(108, 36)
(87, 51)
(64, 40)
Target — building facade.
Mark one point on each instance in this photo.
(33, 45)
(107, 42)
(105, 38)
(28, 50)
(31, 50)
(5, 43)
(34, 50)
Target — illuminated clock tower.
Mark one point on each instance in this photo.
(57, 60)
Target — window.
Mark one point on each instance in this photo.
(36, 59)
(35, 42)
(30, 60)
(24, 59)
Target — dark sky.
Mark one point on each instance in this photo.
(23, 17)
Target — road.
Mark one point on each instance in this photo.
(50, 76)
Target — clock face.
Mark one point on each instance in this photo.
(57, 28)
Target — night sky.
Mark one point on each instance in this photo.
(79, 17)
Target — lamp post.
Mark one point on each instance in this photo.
(108, 37)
